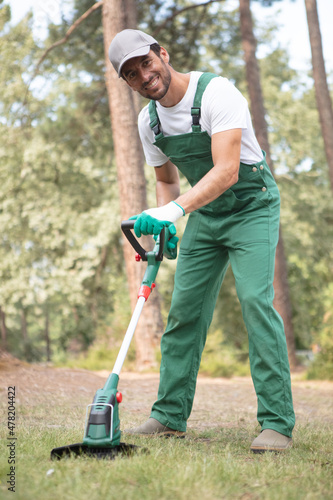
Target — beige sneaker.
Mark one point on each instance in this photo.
(269, 440)
(154, 428)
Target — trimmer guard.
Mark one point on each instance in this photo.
(81, 449)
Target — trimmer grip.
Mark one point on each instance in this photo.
(127, 226)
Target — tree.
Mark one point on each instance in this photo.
(324, 102)
(3, 329)
(124, 108)
(281, 287)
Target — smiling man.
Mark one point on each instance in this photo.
(157, 85)
(199, 124)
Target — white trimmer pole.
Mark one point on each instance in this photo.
(128, 336)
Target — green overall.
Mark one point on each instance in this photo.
(241, 227)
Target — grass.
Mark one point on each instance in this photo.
(211, 465)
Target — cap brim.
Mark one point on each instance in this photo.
(142, 51)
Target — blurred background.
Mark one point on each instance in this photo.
(67, 284)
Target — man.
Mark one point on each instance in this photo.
(200, 124)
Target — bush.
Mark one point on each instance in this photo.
(101, 357)
(220, 360)
(322, 366)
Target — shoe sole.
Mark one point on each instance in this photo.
(270, 449)
(168, 434)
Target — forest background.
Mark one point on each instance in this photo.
(64, 291)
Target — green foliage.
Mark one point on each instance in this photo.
(60, 244)
(208, 36)
(100, 357)
(221, 360)
(321, 368)
(228, 315)
(60, 240)
(307, 220)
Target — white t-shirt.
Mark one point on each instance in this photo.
(223, 107)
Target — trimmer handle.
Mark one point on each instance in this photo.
(126, 227)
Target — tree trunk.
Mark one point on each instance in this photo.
(3, 329)
(324, 102)
(124, 105)
(47, 336)
(24, 327)
(281, 287)
(24, 330)
(98, 283)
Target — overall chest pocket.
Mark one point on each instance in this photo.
(191, 153)
(194, 168)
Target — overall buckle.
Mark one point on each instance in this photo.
(196, 113)
(155, 126)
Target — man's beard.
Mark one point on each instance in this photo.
(165, 78)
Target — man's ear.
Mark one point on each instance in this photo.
(164, 55)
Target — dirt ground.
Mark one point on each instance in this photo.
(218, 402)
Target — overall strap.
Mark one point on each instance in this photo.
(203, 81)
(154, 120)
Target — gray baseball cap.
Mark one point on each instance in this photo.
(128, 44)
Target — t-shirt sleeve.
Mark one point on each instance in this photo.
(223, 106)
(154, 156)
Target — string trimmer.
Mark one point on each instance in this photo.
(102, 426)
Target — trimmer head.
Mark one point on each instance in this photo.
(102, 427)
(99, 452)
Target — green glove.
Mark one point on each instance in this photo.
(152, 221)
(146, 224)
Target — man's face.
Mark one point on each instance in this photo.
(149, 75)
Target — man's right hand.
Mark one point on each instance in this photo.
(173, 239)
(152, 221)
